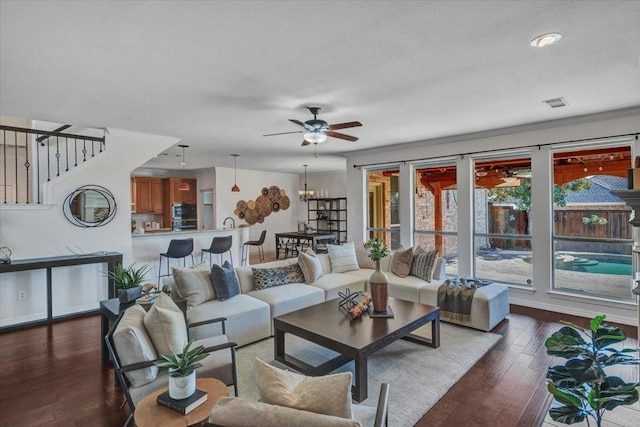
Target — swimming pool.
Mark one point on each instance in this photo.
(595, 263)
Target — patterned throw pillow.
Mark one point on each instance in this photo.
(225, 281)
(327, 394)
(343, 257)
(423, 263)
(401, 262)
(270, 277)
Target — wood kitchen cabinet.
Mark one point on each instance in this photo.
(177, 196)
(148, 195)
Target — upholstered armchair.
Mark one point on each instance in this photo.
(138, 338)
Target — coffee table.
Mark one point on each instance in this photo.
(149, 413)
(354, 339)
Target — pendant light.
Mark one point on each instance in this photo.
(305, 194)
(184, 186)
(235, 188)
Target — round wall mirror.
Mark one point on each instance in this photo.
(90, 206)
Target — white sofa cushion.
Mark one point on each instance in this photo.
(333, 283)
(133, 345)
(328, 394)
(343, 257)
(166, 325)
(287, 298)
(248, 319)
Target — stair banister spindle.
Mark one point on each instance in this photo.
(15, 151)
(48, 160)
(4, 156)
(75, 146)
(27, 164)
(57, 156)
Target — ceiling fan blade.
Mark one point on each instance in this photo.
(342, 136)
(298, 122)
(344, 125)
(304, 143)
(282, 133)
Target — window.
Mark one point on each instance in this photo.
(502, 236)
(436, 211)
(592, 237)
(384, 206)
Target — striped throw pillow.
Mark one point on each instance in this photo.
(343, 258)
(423, 263)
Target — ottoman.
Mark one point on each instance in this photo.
(489, 306)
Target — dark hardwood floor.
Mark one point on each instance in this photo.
(52, 375)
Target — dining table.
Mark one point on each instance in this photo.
(292, 242)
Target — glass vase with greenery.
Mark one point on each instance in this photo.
(581, 387)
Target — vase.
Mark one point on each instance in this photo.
(128, 295)
(182, 387)
(379, 289)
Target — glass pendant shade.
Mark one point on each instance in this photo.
(184, 186)
(315, 137)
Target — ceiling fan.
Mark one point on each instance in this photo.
(317, 131)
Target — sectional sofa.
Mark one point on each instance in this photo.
(250, 314)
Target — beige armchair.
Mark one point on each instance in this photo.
(133, 352)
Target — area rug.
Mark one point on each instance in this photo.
(418, 375)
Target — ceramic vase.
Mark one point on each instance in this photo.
(182, 387)
(378, 283)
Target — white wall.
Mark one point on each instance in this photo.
(33, 231)
(335, 183)
(540, 296)
(251, 184)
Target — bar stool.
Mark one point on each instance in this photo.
(258, 243)
(219, 245)
(178, 248)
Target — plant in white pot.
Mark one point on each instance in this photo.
(128, 280)
(182, 370)
(378, 281)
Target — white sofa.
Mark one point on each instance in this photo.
(250, 314)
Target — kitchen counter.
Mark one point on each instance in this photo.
(146, 248)
(168, 231)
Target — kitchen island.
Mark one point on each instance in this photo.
(147, 247)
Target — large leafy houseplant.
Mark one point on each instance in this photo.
(581, 386)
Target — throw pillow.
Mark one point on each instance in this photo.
(310, 266)
(419, 250)
(343, 258)
(133, 345)
(224, 281)
(401, 262)
(423, 263)
(270, 277)
(166, 325)
(329, 394)
(194, 283)
(362, 254)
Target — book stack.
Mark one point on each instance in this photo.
(183, 406)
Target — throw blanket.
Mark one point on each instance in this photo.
(455, 296)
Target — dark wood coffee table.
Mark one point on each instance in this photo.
(355, 339)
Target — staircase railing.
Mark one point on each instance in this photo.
(31, 157)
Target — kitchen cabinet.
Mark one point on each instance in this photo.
(175, 195)
(148, 194)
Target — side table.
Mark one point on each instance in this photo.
(149, 413)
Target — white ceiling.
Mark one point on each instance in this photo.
(221, 74)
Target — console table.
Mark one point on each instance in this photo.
(112, 259)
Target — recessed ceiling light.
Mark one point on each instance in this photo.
(556, 102)
(547, 39)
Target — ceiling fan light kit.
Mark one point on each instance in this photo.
(184, 186)
(317, 131)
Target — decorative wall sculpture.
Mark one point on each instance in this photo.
(271, 199)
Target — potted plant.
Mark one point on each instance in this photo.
(581, 387)
(378, 281)
(182, 370)
(128, 280)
